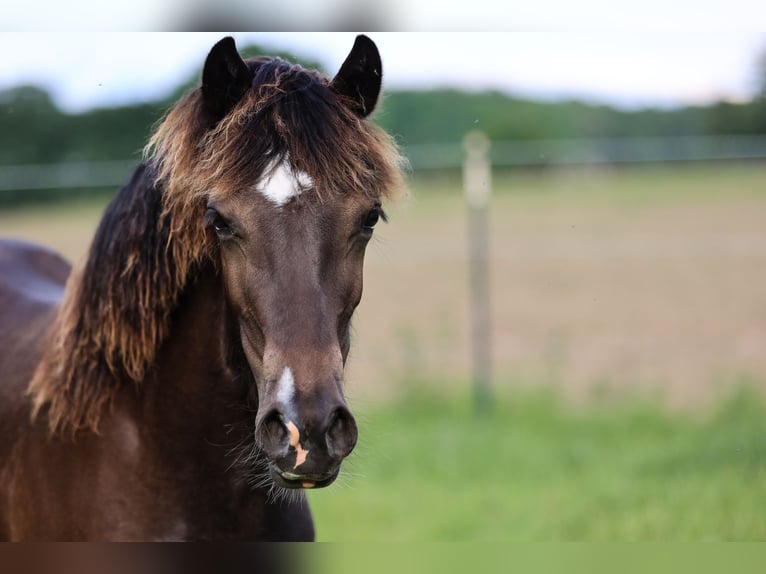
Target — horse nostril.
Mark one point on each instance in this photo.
(342, 433)
(274, 437)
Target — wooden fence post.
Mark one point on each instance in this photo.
(477, 183)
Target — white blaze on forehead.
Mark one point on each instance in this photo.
(286, 388)
(281, 183)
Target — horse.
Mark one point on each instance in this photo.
(185, 381)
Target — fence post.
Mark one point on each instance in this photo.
(477, 184)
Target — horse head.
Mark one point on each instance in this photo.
(290, 231)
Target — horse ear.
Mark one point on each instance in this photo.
(360, 76)
(225, 78)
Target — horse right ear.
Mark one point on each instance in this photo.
(360, 76)
(225, 78)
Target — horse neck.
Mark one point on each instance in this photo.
(199, 384)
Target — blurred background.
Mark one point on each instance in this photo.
(619, 335)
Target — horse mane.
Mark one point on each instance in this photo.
(151, 242)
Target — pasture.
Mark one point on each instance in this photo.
(629, 310)
(428, 469)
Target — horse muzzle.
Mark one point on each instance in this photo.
(306, 451)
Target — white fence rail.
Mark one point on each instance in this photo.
(560, 152)
(70, 175)
(594, 151)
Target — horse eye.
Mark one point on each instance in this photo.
(216, 220)
(371, 219)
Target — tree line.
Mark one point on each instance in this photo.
(34, 130)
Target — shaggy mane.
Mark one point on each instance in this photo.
(151, 242)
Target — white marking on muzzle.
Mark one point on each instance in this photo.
(286, 398)
(282, 183)
(286, 390)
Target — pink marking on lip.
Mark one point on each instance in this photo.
(295, 437)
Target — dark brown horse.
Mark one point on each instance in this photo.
(187, 381)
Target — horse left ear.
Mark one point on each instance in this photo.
(360, 76)
(225, 78)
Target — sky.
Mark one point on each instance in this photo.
(628, 67)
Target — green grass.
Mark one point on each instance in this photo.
(429, 469)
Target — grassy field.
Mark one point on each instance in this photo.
(428, 469)
(649, 279)
(646, 278)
